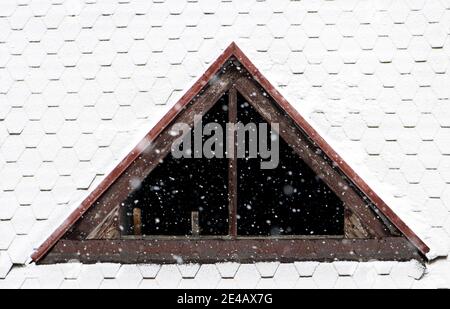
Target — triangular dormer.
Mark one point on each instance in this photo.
(156, 208)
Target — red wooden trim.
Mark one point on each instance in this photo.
(232, 50)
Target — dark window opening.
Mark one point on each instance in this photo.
(189, 196)
(185, 196)
(287, 200)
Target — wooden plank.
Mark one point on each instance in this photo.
(239, 250)
(353, 228)
(232, 165)
(108, 228)
(195, 226)
(137, 221)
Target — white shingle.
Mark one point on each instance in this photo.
(306, 269)
(227, 270)
(5, 84)
(345, 268)
(73, 7)
(19, 250)
(444, 169)
(442, 139)
(383, 268)
(188, 271)
(278, 25)
(366, 37)
(313, 25)
(50, 276)
(286, 276)
(373, 141)
(149, 284)
(331, 38)
(149, 271)
(261, 38)
(48, 147)
(23, 220)
(129, 277)
(279, 51)
(325, 275)
(35, 54)
(345, 283)
(429, 155)
(90, 276)
(432, 183)
(437, 212)
(382, 23)
(43, 205)
(365, 276)
(20, 17)
(438, 61)
(26, 190)
(101, 160)
(306, 283)
(8, 233)
(168, 276)
(29, 161)
(66, 160)
(267, 269)
(104, 27)
(416, 23)
(158, 14)
(10, 178)
(329, 11)
(54, 16)
(5, 264)
(314, 51)
(419, 48)
(12, 148)
(226, 13)
(260, 12)
(16, 120)
(89, 15)
(18, 94)
(370, 86)
(433, 11)
(400, 275)
(63, 190)
(247, 276)
(34, 108)
(173, 27)
(243, 26)
(123, 66)
(123, 14)
(121, 40)
(347, 24)
(384, 282)
(109, 284)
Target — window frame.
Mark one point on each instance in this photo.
(92, 241)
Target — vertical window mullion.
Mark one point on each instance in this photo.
(232, 166)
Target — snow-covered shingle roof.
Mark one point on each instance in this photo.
(82, 81)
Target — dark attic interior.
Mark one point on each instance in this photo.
(189, 196)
